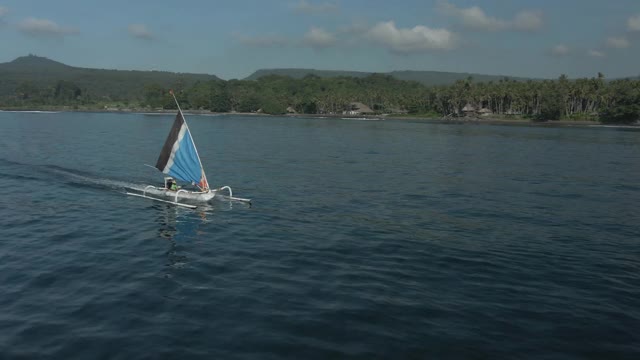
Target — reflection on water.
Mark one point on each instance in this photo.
(184, 230)
(178, 226)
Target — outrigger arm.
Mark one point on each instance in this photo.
(175, 202)
(164, 201)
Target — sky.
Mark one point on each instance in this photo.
(232, 39)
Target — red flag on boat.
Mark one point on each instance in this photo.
(204, 184)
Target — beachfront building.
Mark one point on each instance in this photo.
(357, 108)
(469, 110)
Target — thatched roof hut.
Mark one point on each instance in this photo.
(485, 112)
(468, 109)
(360, 108)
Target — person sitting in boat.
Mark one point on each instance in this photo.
(172, 185)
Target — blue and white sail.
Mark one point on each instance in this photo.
(179, 157)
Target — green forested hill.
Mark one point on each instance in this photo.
(300, 73)
(447, 78)
(428, 78)
(35, 72)
(33, 82)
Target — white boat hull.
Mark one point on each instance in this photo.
(199, 196)
(184, 197)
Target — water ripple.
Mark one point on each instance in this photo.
(386, 240)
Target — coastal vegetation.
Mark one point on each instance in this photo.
(427, 78)
(596, 99)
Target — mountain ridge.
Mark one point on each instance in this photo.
(45, 62)
(40, 72)
(110, 83)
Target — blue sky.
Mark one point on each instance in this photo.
(231, 39)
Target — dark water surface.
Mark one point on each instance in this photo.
(367, 239)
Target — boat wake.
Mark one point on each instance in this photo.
(42, 176)
(54, 175)
(361, 119)
(30, 111)
(85, 179)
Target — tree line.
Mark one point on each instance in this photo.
(597, 99)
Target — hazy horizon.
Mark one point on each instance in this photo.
(513, 76)
(535, 39)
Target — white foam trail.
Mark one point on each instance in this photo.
(30, 111)
(108, 183)
(362, 119)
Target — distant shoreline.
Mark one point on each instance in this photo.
(459, 120)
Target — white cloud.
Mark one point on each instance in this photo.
(140, 31)
(475, 18)
(560, 50)
(596, 53)
(384, 34)
(633, 24)
(472, 17)
(318, 38)
(618, 42)
(306, 7)
(44, 28)
(528, 20)
(405, 40)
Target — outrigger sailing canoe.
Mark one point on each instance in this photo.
(179, 159)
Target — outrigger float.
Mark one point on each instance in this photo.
(180, 160)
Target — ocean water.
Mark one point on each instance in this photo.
(365, 240)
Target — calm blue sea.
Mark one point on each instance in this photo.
(366, 240)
